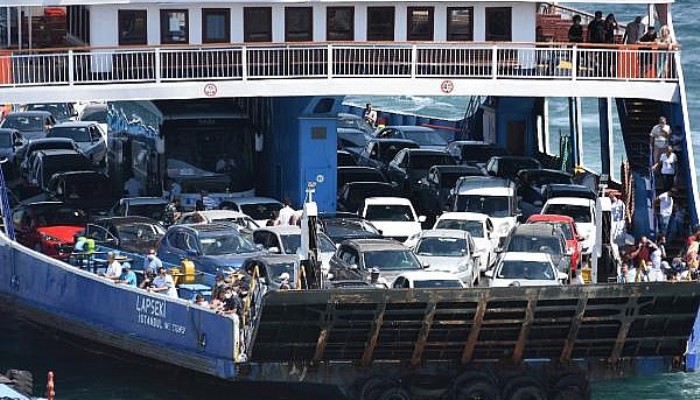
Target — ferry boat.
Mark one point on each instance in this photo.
(287, 66)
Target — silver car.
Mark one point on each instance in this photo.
(449, 250)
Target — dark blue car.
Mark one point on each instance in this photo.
(213, 248)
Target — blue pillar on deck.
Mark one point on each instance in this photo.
(605, 118)
(574, 125)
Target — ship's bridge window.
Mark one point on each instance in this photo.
(174, 26)
(380, 23)
(216, 25)
(298, 25)
(132, 27)
(460, 24)
(257, 24)
(499, 24)
(340, 23)
(420, 23)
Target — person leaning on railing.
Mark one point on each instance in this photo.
(665, 43)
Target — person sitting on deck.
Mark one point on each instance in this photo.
(164, 284)
(114, 267)
(148, 276)
(200, 301)
(128, 276)
(232, 303)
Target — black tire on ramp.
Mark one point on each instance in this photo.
(527, 392)
(477, 390)
(566, 394)
(395, 393)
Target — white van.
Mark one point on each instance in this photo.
(495, 197)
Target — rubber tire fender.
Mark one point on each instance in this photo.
(395, 393)
(566, 394)
(477, 389)
(523, 387)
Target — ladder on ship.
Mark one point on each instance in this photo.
(5, 214)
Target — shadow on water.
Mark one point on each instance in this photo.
(85, 370)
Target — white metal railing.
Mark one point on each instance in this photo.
(327, 61)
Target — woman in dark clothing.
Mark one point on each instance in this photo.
(576, 30)
(610, 26)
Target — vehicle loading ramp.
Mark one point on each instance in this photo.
(451, 325)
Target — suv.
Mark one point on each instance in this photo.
(495, 197)
(394, 216)
(151, 207)
(259, 209)
(49, 227)
(539, 238)
(88, 190)
(473, 152)
(32, 124)
(525, 269)
(433, 191)
(287, 240)
(88, 135)
(508, 166)
(410, 166)
(568, 227)
(352, 196)
(25, 156)
(134, 234)
(582, 211)
(49, 162)
(427, 138)
(379, 152)
(356, 258)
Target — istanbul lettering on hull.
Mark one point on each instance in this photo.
(153, 313)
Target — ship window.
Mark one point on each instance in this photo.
(380, 23)
(257, 24)
(340, 23)
(174, 26)
(216, 25)
(132, 27)
(460, 23)
(420, 23)
(498, 24)
(298, 25)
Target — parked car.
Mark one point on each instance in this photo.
(353, 194)
(62, 112)
(88, 135)
(480, 229)
(532, 183)
(432, 194)
(538, 238)
(260, 209)
(394, 216)
(355, 259)
(583, 212)
(213, 248)
(32, 124)
(11, 143)
(287, 240)
(88, 190)
(353, 132)
(95, 113)
(342, 226)
(49, 227)
(25, 155)
(495, 197)
(568, 227)
(239, 219)
(473, 152)
(151, 207)
(525, 269)
(352, 121)
(345, 159)
(561, 190)
(410, 166)
(358, 174)
(133, 234)
(272, 266)
(452, 251)
(379, 152)
(427, 280)
(50, 162)
(507, 167)
(427, 138)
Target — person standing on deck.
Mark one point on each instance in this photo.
(152, 261)
(370, 115)
(576, 30)
(667, 162)
(633, 31)
(665, 210)
(617, 213)
(659, 137)
(286, 213)
(164, 284)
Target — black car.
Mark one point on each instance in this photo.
(410, 166)
(433, 192)
(345, 159)
(508, 166)
(25, 156)
(271, 266)
(62, 112)
(342, 226)
(32, 124)
(130, 234)
(356, 258)
(473, 152)
(358, 174)
(379, 152)
(50, 162)
(88, 190)
(532, 182)
(352, 195)
(566, 190)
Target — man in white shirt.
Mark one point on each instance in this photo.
(285, 214)
(617, 212)
(132, 187)
(659, 135)
(667, 161)
(164, 284)
(665, 210)
(114, 267)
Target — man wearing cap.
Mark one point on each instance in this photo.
(128, 276)
(152, 261)
(114, 267)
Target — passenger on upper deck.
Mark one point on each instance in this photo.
(596, 29)
(164, 284)
(576, 30)
(610, 25)
(667, 167)
(633, 31)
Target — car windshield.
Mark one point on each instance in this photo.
(291, 243)
(5, 140)
(24, 123)
(59, 111)
(493, 206)
(274, 270)
(578, 213)
(325, 245)
(531, 270)
(60, 216)
(437, 283)
(442, 247)
(154, 211)
(396, 213)
(480, 154)
(428, 160)
(86, 186)
(535, 244)
(260, 211)
(349, 228)
(391, 260)
(355, 123)
(426, 138)
(99, 116)
(475, 228)
(565, 227)
(78, 134)
(225, 243)
(140, 231)
(538, 178)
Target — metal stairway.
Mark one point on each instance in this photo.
(637, 117)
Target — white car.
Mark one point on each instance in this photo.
(450, 251)
(260, 209)
(481, 230)
(525, 269)
(427, 280)
(225, 216)
(393, 216)
(582, 211)
(287, 240)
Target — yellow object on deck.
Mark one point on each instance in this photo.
(586, 275)
(188, 271)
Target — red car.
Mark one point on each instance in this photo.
(49, 227)
(567, 225)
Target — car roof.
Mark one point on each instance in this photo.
(574, 201)
(219, 214)
(8, 130)
(537, 230)
(75, 124)
(388, 201)
(543, 171)
(428, 276)
(254, 200)
(375, 244)
(55, 152)
(420, 151)
(464, 215)
(127, 220)
(522, 256)
(80, 174)
(394, 140)
(275, 258)
(375, 184)
(142, 200)
(456, 168)
(444, 233)
(36, 113)
(207, 227)
(49, 140)
(550, 218)
(281, 229)
(348, 116)
(481, 182)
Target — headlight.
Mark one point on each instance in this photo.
(48, 238)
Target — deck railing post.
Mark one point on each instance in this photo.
(156, 65)
(329, 57)
(574, 63)
(494, 62)
(71, 67)
(244, 63)
(414, 60)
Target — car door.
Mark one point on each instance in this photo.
(99, 145)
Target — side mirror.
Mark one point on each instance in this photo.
(422, 219)
(489, 274)
(426, 265)
(274, 250)
(353, 266)
(259, 247)
(563, 276)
